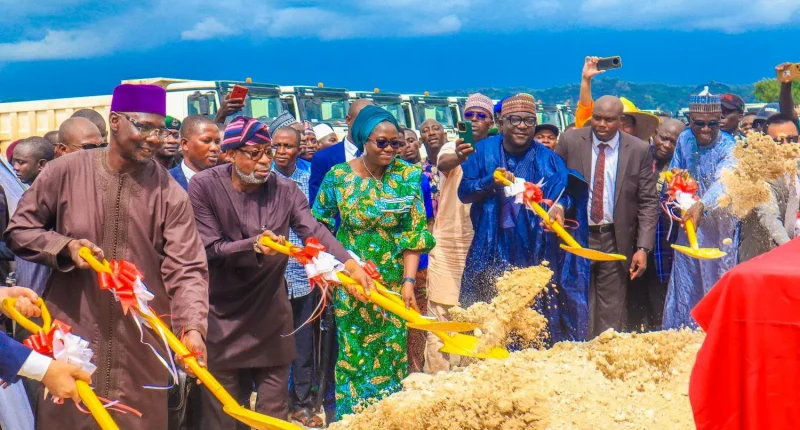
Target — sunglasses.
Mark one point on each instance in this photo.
(702, 124)
(787, 139)
(257, 154)
(383, 143)
(480, 115)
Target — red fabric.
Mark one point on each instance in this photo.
(747, 374)
(598, 184)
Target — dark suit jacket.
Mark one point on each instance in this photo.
(636, 198)
(177, 173)
(755, 238)
(12, 355)
(322, 162)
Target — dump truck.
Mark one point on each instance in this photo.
(318, 105)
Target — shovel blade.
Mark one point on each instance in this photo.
(446, 326)
(700, 253)
(258, 421)
(591, 254)
(461, 344)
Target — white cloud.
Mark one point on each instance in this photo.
(58, 45)
(76, 29)
(207, 29)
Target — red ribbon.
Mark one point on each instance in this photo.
(534, 194)
(43, 343)
(121, 282)
(372, 270)
(678, 183)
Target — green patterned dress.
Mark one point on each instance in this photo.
(379, 220)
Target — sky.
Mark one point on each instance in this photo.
(66, 48)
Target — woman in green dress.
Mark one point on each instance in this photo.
(379, 199)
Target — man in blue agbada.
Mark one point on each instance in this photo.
(702, 152)
(509, 236)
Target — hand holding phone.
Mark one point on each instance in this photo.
(788, 72)
(609, 63)
(465, 132)
(239, 92)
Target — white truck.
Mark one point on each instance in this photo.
(318, 105)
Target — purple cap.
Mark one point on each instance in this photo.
(139, 98)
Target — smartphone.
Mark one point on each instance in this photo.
(239, 92)
(609, 63)
(465, 132)
(792, 72)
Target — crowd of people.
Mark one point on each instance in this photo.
(190, 200)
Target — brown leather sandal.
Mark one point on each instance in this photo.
(307, 419)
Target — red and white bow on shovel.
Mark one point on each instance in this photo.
(526, 191)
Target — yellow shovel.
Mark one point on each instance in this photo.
(230, 405)
(459, 344)
(694, 250)
(85, 392)
(570, 245)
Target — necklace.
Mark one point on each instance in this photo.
(380, 182)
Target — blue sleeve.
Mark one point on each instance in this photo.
(12, 355)
(717, 189)
(474, 188)
(319, 168)
(425, 182)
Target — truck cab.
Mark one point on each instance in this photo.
(433, 107)
(318, 105)
(392, 102)
(549, 114)
(263, 101)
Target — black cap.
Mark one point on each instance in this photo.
(732, 102)
(550, 127)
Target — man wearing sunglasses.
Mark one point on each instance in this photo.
(703, 153)
(250, 319)
(77, 133)
(773, 224)
(120, 204)
(508, 235)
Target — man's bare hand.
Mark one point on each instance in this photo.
(784, 78)
(261, 249)
(694, 214)
(194, 342)
(60, 380)
(590, 68)
(638, 264)
(228, 107)
(463, 150)
(26, 300)
(75, 245)
(506, 174)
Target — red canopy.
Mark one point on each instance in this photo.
(747, 374)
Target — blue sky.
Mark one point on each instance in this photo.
(68, 48)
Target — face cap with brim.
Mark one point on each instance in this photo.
(550, 127)
(646, 123)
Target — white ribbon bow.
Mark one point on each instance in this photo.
(326, 265)
(71, 349)
(685, 200)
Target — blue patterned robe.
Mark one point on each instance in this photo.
(692, 278)
(508, 235)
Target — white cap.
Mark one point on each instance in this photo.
(322, 130)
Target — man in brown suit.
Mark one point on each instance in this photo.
(623, 206)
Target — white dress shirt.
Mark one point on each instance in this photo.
(610, 179)
(35, 366)
(350, 150)
(187, 171)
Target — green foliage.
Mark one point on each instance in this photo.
(767, 90)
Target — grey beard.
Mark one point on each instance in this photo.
(251, 178)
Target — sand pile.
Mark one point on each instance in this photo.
(758, 161)
(617, 381)
(509, 316)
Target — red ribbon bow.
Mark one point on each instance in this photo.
(534, 194)
(43, 343)
(121, 282)
(372, 270)
(678, 183)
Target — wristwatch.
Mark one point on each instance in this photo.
(411, 280)
(641, 248)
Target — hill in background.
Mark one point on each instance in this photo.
(644, 95)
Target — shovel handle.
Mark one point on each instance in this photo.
(9, 308)
(691, 234)
(98, 411)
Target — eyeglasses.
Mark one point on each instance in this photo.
(702, 124)
(515, 120)
(480, 115)
(787, 139)
(147, 129)
(257, 154)
(383, 143)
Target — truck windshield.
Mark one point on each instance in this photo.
(322, 109)
(547, 116)
(202, 103)
(263, 107)
(441, 113)
(396, 109)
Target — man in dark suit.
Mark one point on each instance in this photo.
(623, 206)
(200, 143)
(18, 360)
(342, 152)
